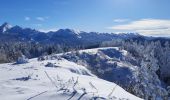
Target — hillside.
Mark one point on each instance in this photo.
(57, 77)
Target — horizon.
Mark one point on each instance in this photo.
(80, 31)
(146, 17)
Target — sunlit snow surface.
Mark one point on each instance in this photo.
(39, 86)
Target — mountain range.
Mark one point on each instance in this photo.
(62, 36)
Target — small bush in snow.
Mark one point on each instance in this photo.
(41, 58)
(168, 88)
(49, 64)
(22, 60)
(23, 78)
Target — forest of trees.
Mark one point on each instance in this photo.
(11, 51)
(153, 59)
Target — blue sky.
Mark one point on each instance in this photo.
(89, 15)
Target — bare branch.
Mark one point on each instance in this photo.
(51, 79)
(36, 95)
(112, 91)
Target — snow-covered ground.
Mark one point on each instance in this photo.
(64, 80)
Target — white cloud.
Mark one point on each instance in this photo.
(149, 27)
(42, 18)
(120, 20)
(48, 30)
(27, 18)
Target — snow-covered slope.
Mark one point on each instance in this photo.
(56, 79)
(4, 27)
(109, 63)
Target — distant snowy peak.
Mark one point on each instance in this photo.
(127, 35)
(7, 28)
(76, 32)
(4, 27)
(69, 31)
(64, 36)
(130, 34)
